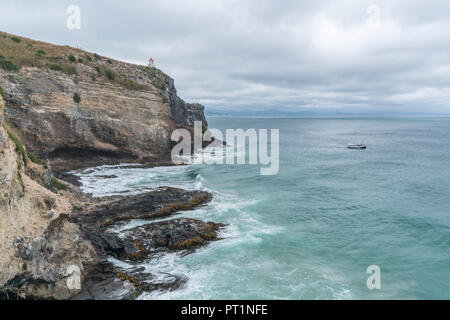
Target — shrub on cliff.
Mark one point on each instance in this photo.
(67, 69)
(8, 65)
(72, 58)
(19, 147)
(2, 93)
(99, 70)
(58, 185)
(15, 39)
(76, 98)
(40, 53)
(160, 85)
(34, 158)
(56, 67)
(111, 75)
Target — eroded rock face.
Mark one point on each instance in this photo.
(38, 246)
(184, 113)
(56, 262)
(110, 121)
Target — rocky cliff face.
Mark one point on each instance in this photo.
(28, 213)
(184, 114)
(80, 109)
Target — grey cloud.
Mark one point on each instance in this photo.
(261, 55)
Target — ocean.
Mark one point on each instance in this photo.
(312, 230)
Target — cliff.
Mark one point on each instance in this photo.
(62, 108)
(28, 211)
(80, 109)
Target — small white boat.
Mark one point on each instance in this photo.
(356, 146)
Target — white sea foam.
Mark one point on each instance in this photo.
(118, 180)
(243, 224)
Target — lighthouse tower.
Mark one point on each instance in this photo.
(151, 62)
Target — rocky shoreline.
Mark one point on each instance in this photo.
(149, 241)
(95, 220)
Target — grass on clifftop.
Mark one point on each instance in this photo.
(111, 75)
(132, 85)
(17, 52)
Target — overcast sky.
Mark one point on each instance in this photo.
(259, 55)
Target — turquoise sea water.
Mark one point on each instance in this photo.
(311, 231)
